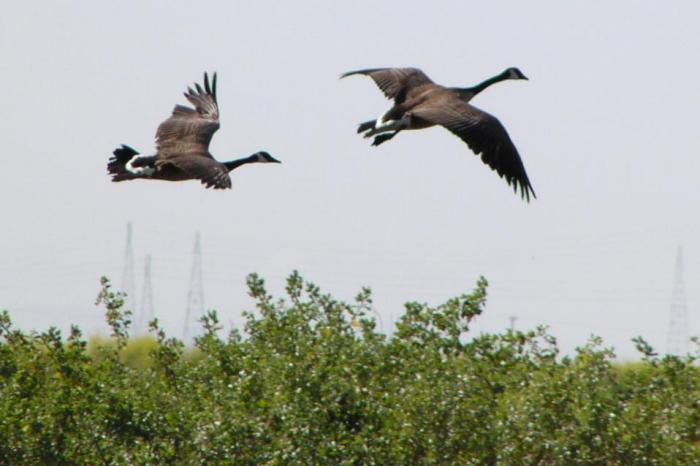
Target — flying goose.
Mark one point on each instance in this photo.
(420, 103)
(183, 146)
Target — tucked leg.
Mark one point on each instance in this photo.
(384, 137)
(391, 125)
(366, 125)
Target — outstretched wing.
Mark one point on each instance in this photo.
(395, 83)
(188, 131)
(484, 135)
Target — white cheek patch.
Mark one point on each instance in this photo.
(145, 171)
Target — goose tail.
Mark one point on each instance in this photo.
(126, 164)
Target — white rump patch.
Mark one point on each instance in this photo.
(143, 171)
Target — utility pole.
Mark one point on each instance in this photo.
(677, 342)
(195, 296)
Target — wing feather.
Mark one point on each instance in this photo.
(395, 83)
(189, 131)
(210, 172)
(485, 136)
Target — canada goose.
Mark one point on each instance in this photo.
(420, 103)
(183, 146)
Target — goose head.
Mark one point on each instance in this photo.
(514, 73)
(264, 157)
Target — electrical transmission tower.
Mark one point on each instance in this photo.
(146, 311)
(128, 275)
(195, 297)
(677, 342)
(512, 320)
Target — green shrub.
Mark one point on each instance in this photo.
(310, 380)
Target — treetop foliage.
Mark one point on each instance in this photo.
(310, 380)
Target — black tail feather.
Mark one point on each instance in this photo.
(124, 153)
(117, 164)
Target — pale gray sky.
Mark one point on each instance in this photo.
(606, 127)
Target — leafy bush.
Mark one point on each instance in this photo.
(311, 381)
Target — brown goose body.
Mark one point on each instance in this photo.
(420, 103)
(183, 146)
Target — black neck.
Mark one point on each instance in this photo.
(480, 87)
(233, 164)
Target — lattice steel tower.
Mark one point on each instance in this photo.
(195, 297)
(677, 342)
(511, 320)
(128, 274)
(146, 312)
